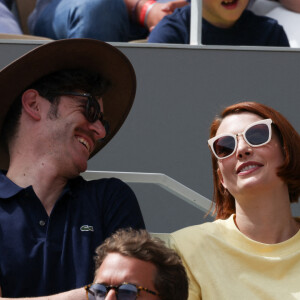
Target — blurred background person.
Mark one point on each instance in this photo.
(106, 20)
(8, 22)
(223, 23)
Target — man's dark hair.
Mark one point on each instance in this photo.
(49, 87)
(170, 280)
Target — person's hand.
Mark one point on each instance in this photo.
(160, 10)
(293, 5)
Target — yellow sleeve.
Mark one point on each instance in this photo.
(194, 288)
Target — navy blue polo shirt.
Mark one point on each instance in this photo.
(42, 255)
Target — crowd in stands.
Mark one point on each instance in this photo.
(224, 23)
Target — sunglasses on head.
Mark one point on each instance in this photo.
(92, 108)
(256, 134)
(124, 291)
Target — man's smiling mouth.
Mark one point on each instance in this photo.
(84, 143)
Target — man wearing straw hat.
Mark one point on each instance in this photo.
(60, 104)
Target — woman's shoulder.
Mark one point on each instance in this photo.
(204, 230)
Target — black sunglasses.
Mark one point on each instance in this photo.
(92, 108)
(124, 291)
(256, 134)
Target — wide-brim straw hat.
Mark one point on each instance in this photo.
(89, 54)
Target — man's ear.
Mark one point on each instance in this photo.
(31, 105)
(221, 178)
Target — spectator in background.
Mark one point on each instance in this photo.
(8, 22)
(107, 20)
(135, 265)
(223, 23)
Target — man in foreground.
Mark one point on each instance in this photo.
(133, 265)
(61, 103)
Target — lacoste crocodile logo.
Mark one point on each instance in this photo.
(86, 228)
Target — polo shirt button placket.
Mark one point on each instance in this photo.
(42, 223)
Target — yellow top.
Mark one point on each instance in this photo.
(222, 263)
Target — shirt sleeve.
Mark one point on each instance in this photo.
(121, 209)
(194, 288)
(265, 31)
(173, 29)
(282, 37)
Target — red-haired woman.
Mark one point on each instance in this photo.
(252, 250)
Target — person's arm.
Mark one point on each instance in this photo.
(155, 14)
(282, 39)
(78, 294)
(194, 289)
(173, 29)
(293, 5)
(160, 10)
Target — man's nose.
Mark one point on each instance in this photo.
(98, 130)
(111, 295)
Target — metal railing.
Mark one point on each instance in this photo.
(196, 22)
(164, 181)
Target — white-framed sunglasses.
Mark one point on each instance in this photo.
(256, 134)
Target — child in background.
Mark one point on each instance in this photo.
(224, 23)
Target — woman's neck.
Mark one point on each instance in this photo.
(266, 218)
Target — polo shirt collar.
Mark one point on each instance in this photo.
(7, 187)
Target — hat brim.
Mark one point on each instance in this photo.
(89, 54)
